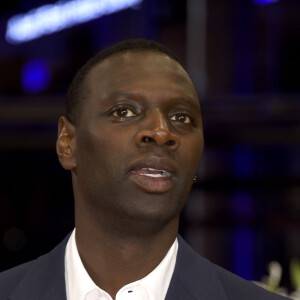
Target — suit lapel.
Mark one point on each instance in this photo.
(194, 277)
(45, 279)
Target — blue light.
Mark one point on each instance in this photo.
(244, 252)
(264, 2)
(243, 162)
(51, 18)
(35, 76)
(243, 205)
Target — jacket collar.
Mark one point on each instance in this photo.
(194, 277)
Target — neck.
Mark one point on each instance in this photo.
(133, 254)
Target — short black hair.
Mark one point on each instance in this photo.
(76, 92)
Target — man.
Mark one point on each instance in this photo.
(132, 139)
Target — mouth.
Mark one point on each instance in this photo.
(153, 175)
(151, 172)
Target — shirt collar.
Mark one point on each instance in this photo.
(79, 283)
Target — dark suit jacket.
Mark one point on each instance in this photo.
(194, 278)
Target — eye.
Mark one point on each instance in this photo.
(181, 118)
(123, 112)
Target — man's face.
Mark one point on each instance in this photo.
(138, 139)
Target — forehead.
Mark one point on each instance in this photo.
(139, 69)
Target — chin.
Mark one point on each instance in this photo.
(148, 224)
(156, 207)
(157, 214)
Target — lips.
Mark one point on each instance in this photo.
(153, 174)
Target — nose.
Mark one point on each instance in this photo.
(156, 131)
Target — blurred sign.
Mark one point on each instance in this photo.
(51, 18)
(264, 2)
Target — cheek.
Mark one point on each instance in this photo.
(103, 152)
(95, 139)
(92, 150)
(193, 150)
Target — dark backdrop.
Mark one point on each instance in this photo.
(244, 59)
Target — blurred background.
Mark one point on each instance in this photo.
(243, 56)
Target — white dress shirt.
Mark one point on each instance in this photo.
(80, 286)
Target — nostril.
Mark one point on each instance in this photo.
(170, 143)
(147, 139)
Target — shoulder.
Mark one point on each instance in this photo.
(242, 288)
(45, 271)
(201, 275)
(10, 278)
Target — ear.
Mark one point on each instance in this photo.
(65, 144)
